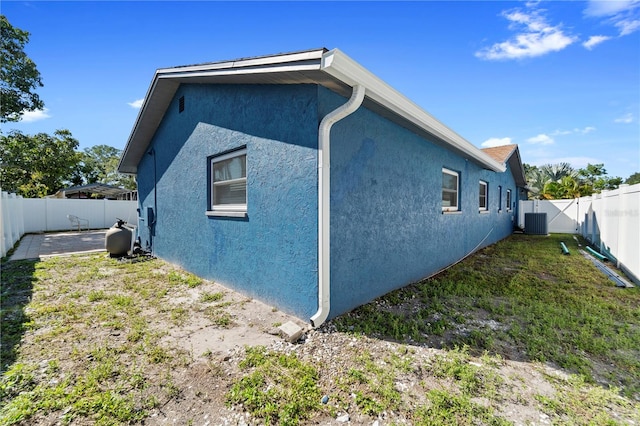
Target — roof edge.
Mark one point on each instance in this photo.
(512, 158)
(334, 63)
(339, 65)
(165, 83)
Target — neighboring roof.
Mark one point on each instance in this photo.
(95, 188)
(331, 69)
(509, 154)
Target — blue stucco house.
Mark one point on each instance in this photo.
(305, 181)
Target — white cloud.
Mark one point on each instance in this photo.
(625, 119)
(623, 14)
(137, 104)
(599, 8)
(541, 139)
(492, 142)
(535, 37)
(586, 130)
(37, 115)
(594, 41)
(627, 26)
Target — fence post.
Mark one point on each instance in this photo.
(104, 213)
(20, 216)
(622, 191)
(15, 218)
(3, 241)
(595, 204)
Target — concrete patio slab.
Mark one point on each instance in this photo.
(40, 246)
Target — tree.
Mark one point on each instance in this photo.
(545, 181)
(556, 181)
(99, 164)
(556, 172)
(633, 179)
(535, 180)
(20, 77)
(38, 165)
(594, 178)
(567, 187)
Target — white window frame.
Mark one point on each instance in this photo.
(508, 200)
(457, 191)
(486, 196)
(234, 210)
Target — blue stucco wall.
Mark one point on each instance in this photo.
(272, 254)
(387, 226)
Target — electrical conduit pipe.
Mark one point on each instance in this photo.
(324, 192)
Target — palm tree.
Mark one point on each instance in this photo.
(555, 172)
(546, 182)
(567, 188)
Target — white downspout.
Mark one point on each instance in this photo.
(324, 191)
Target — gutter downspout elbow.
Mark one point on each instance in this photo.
(324, 192)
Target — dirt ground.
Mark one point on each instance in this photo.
(217, 352)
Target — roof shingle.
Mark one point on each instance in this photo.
(500, 153)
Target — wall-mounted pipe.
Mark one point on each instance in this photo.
(151, 219)
(324, 192)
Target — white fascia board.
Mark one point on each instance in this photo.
(240, 71)
(131, 169)
(266, 61)
(342, 67)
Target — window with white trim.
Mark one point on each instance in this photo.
(508, 200)
(483, 196)
(228, 174)
(499, 198)
(450, 188)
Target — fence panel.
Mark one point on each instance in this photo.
(11, 221)
(627, 216)
(50, 214)
(28, 215)
(561, 214)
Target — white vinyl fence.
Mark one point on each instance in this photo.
(21, 216)
(11, 221)
(610, 221)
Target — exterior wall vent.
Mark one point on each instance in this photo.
(181, 104)
(535, 223)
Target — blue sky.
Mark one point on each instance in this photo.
(560, 79)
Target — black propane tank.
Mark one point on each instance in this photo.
(118, 239)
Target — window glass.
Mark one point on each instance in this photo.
(229, 181)
(482, 200)
(449, 190)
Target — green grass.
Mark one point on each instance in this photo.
(278, 388)
(472, 379)
(552, 308)
(580, 403)
(448, 409)
(373, 384)
(207, 297)
(83, 319)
